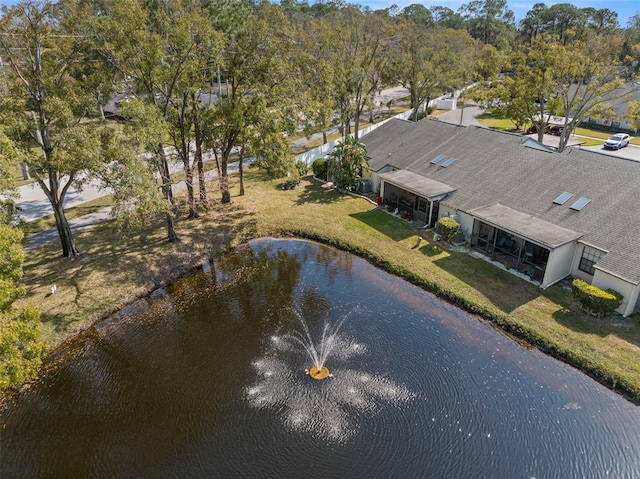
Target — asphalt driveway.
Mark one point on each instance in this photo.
(631, 152)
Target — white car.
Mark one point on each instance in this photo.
(617, 141)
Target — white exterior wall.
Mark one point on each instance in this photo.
(446, 211)
(375, 179)
(630, 291)
(466, 224)
(559, 264)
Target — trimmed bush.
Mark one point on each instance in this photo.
(448, 227)
(319, 168)
(596, 301)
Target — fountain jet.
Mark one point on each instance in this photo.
(317, 353)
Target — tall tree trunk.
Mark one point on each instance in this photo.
(56, 196)
(241, 170)
(64, 232)
(193, 212)
(224, 183)
(163, 168)
(200, 162)
(171, 230)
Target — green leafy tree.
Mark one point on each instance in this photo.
(47, 101)
(489, 21)
(427, 62)
(259, 107)
(633, 115)
(21, 345)
(549, 78)
(418, 14)
(347, 162)
(358, 52)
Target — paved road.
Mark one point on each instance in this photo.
(469, 115)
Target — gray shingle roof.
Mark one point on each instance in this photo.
(495, 167)
(417, 184)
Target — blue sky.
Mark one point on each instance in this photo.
(624, 8)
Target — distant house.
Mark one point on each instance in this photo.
(548, 215)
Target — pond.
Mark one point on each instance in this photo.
(206, 378)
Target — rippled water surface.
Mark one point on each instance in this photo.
(205, 380)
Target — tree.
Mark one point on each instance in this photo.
(259, 105)
(47, 103)
(489, 21)
(418, 14)
(521, 95)
(429, 61)
(585, 76)
(192, 40)
(347, 161)
(160, 48)
(573, 81)
(317, 73)
(444, 17)
(357, 51)
(633, 115)
(21, 345)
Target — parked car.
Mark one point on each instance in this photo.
(617, 141)
(534, 129)
(555, 130)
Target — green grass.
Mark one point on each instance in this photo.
(490, 120)
(114, 270)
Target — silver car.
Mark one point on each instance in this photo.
(617, 141)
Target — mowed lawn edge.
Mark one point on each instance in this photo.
(115, 270)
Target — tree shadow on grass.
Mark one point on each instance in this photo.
(389, 225)
(503, 289)
(315, 193)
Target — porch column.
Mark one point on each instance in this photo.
(430, 212)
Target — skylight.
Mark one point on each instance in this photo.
(563, 198)
(437, 159)
(448, 162)
(581, 203)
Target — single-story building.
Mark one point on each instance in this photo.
(546, 214)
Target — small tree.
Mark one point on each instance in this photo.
(449, 228)
(348, 160)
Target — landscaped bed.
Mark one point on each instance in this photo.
(115, 270)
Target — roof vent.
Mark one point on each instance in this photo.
(581, 203)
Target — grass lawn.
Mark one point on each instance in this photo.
(115, 270)
(491, 121)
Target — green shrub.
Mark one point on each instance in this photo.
(448, 227)
(319, 168)
(302, 168)
(596, 301)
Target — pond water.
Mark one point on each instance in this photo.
(207, 379)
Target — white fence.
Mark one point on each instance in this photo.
(323, 150)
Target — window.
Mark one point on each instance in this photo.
(590, 256)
